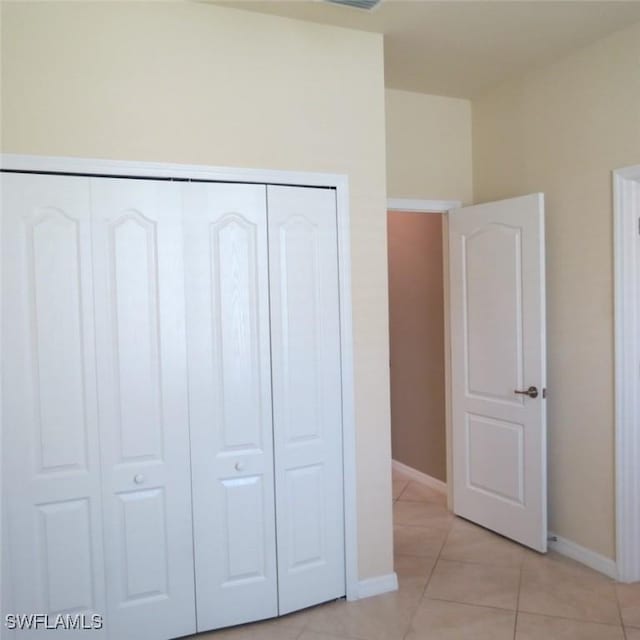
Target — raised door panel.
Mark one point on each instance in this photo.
(51, 467)
(64, 532)
(136, 324)
(493, 314)
(55, 279)
(230, 403)
(305, 324)
(144, 423)
(141, 519)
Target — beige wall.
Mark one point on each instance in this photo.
(416, 335)
(192, 83)
(562, 130)
(428, 147)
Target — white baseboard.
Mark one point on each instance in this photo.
(419, 476)
(583, 555)
(376, 586)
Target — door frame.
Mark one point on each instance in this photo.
(412, 205)
(185, 173)
(626, 214)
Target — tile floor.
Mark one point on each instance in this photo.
(461, 582)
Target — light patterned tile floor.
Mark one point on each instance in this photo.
(461, 582)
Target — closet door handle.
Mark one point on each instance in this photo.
(138, 478)
(239, 466)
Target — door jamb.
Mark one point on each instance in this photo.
(183, 172)
(412, 205)
(626, 212)
(442, 207)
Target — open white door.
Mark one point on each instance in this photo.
(498, 372)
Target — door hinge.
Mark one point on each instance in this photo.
(544, 392)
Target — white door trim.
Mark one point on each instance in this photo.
(626, 208)
(422, 206)
(100, 167)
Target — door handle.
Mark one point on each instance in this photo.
(532, 392)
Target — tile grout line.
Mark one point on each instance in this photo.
(554, 616)
(403, 490)
(438, 557)
(472, 604)
(424, 590)
(515, 622)
(303, 629)
(475, 563)
(624, 629)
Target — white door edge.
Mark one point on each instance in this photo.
(6, 580)
(626, 208)
(340, 182)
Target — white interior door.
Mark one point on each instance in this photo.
(51, 466)
(497, 287)
(305, 341)
(230, 403)
(142, 389)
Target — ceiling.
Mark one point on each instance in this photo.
(463, 47)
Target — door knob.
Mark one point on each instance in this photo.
(532, 392)
(239, 466)
(138, 478)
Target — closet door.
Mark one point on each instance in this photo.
(51, 467)
(305, 339)
(230, 403)
(142, 386)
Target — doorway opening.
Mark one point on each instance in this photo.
(417, 346)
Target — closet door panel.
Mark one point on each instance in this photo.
(144, 428)
(51, 468)
(305, 327)
(230, 403)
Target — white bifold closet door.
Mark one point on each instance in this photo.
(143, 401)
(230, 403)
(305, 345)
(263, 320)
(96, 450)
(171, 392)
(51, 457)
